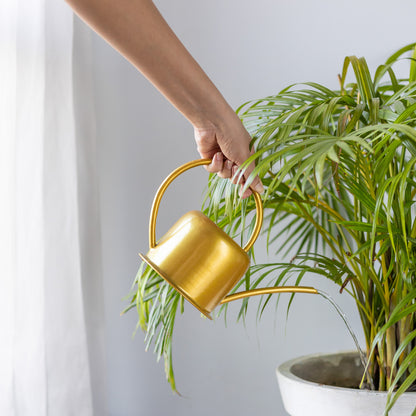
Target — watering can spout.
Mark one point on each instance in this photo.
(198, 259)
(269, 291)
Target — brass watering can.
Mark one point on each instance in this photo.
(199, 259)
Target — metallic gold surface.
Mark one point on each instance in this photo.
(200, 259)
(173, 284)
(258, 224)
(268, 291)
(171, 177)
(195, 256)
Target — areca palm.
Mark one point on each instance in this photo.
(339, 171)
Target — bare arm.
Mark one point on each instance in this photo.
(138, 31)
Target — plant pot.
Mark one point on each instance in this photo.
(322, 385)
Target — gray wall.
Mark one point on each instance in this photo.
(249, 49)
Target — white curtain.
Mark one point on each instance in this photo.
(51, 355)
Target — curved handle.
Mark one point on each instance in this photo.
(169, 180)
(269, 291)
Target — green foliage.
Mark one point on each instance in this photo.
(339, 171)
(156, 303)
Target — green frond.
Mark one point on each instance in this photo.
(339, 169)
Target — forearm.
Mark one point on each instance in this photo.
(137, 30)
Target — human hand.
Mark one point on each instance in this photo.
(228, 146)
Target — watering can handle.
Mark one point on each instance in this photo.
(169, 180)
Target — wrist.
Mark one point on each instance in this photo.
(216, 117)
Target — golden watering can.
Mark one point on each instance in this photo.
(199, 259)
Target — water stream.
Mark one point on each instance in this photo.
(363, 357)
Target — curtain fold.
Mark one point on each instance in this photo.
(49, 214)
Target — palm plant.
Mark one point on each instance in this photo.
(339, 171)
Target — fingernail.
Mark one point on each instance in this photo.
(258, 187)
(218, 156)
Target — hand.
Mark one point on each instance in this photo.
(229, 148)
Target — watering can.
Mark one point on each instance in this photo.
(198, 259)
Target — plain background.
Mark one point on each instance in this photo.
(250, 50)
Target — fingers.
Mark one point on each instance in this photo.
(238, 178)
(225, 168)
(241, 176)
(219, 165)
(256, 182)
(257, 185)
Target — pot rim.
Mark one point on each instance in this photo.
(284, 370)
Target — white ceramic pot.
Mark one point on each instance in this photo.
(304, 393)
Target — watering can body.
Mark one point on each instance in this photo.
(199, 260)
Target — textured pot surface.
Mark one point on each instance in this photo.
(303, 386)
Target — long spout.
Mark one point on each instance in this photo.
(303, 289)
(268, 291)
